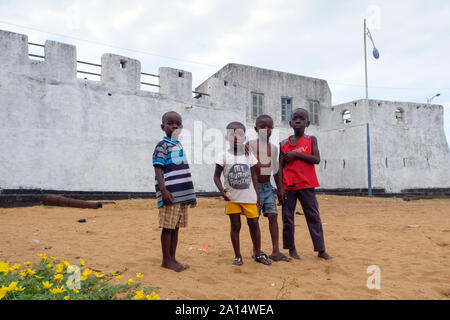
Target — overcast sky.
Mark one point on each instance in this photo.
(322, 39)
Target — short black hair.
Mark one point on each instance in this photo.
(261, 117)
(233, 124)
(165, 115)
(306, 111)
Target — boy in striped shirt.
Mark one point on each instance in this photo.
(174, 188)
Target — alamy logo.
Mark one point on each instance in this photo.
(239, 176)
(74, 280)
(374, 281)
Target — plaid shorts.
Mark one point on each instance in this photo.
(173, 216)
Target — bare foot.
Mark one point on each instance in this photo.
(173, 266)
(185, 265)
(324, 255)
(293, 253)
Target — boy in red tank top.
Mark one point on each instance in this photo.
(298, 155)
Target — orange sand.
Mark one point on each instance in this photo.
(359, 232)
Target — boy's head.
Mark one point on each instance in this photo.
(299, 120)
(235, 134)
(264, 126)
(172, 124)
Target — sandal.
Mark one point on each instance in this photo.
(263, 259)
(262, 253)
(279, 257)
(238, 262)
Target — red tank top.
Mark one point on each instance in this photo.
(298, 174)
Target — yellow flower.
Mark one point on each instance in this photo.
(59, 268)
(4, 267)
(50, 265)
(75, 290)
(139, 295)
(38, 289)
(81, 262)
(119, 277)
(38, 277)
(28, 263)
(42, 256)
(87, 272)
(3, 292)
(58, 290)
(130, 281)
(16, 266)
(66, 298)
(112, 272)
(53, 258)
(139, 275)
(99, 275)
(12, 286)
(83, 278)
(58, 277)
(23, 273)
(153, 296)
(65, 262)
(31, 272)
(47, 284)
(20, 288)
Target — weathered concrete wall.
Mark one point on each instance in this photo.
(63, 133)
(273, 84)
(406, 153)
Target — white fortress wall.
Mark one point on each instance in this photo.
(62, 133)
(409, 148)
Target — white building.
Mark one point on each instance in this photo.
(61, 132)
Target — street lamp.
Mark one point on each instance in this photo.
(375, 52)
(429, 99)
(376, 55)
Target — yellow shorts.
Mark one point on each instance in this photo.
(249, 210)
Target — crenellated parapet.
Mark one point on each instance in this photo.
(59, 64)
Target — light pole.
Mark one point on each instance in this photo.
(429, 99)
(376, 55)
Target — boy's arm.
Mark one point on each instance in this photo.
(218, 182)
(279, 180)
(254, 173)
(167, 197)
(314, 158)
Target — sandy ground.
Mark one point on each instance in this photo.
(359, 232)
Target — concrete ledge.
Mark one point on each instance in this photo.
(10, 198)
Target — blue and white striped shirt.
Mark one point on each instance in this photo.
(169, 154)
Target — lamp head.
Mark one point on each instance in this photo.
(376, 54)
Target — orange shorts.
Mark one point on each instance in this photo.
(249, 210)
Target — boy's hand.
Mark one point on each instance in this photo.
(281, 196)
(193, 204)
(225, 194)
(258, 202)
(290, 156)
(167, 197)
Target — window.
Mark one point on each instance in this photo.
(314, 111)
(286, 109)
(346, 116)
(399, 114)
(257, 104)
